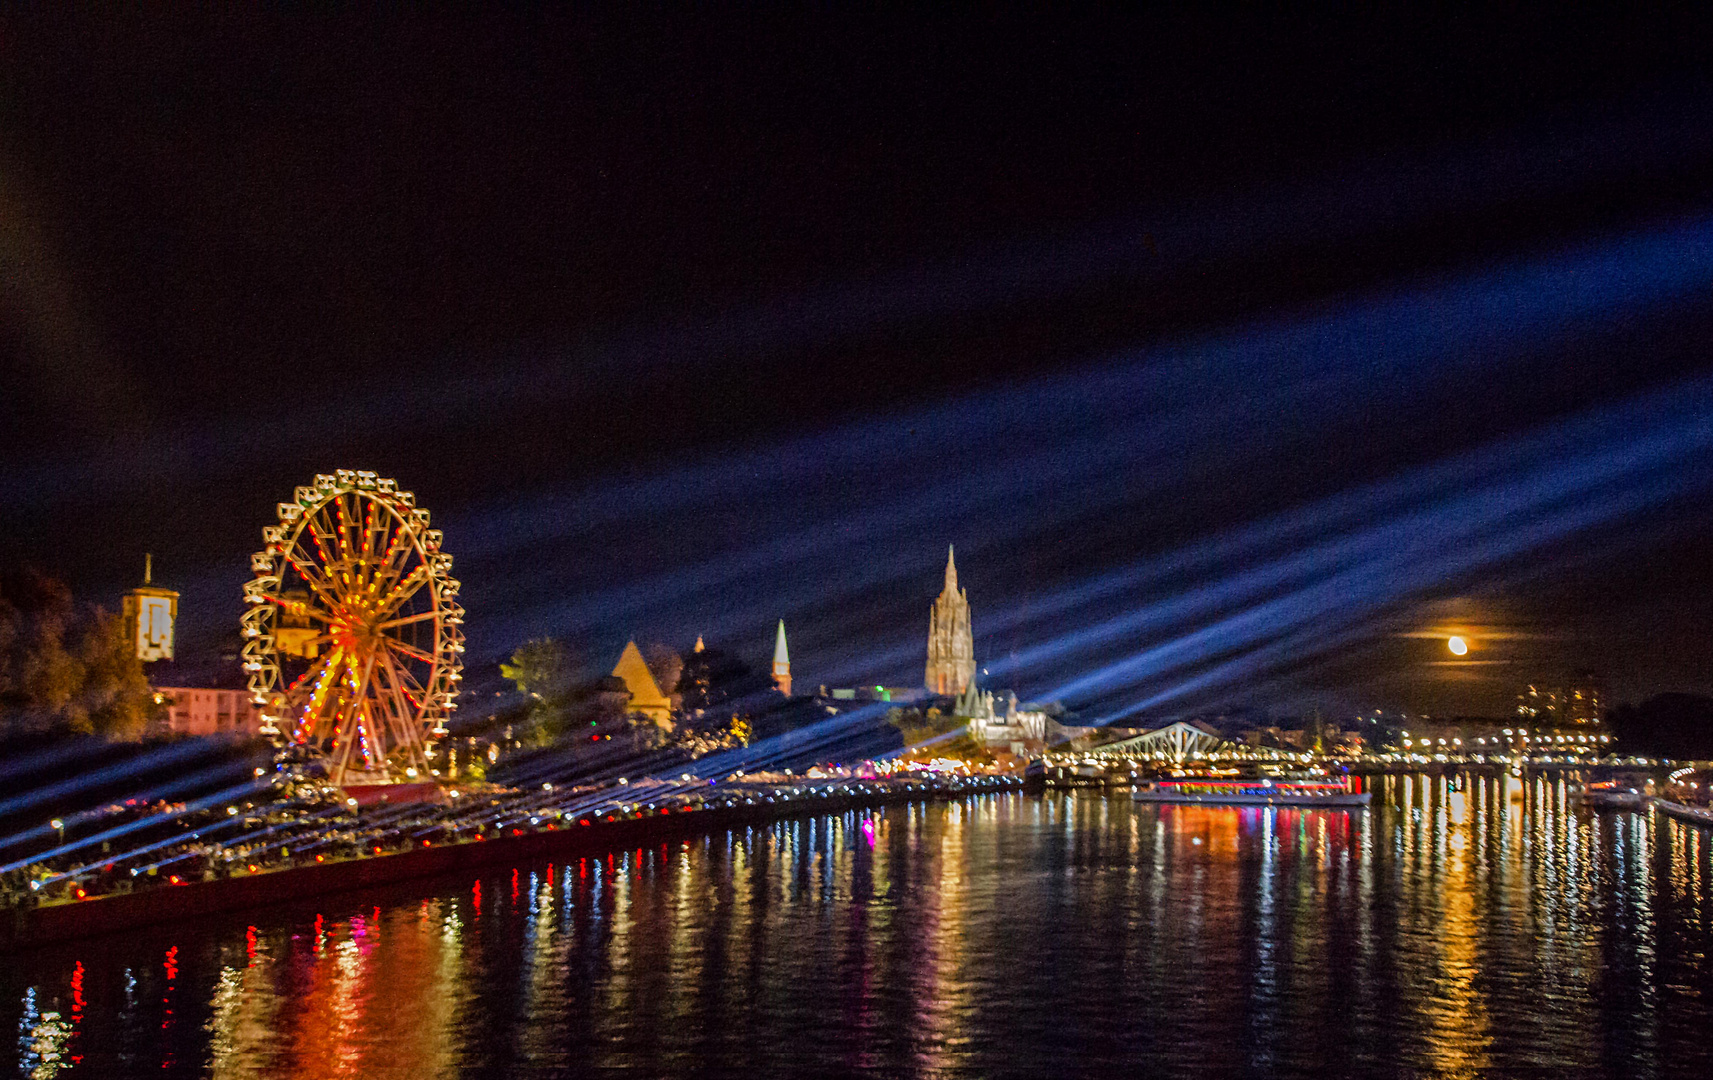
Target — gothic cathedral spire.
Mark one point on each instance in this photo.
(781, 662)
(951, 646)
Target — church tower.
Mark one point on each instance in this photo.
(149, 613)
(951, 647)
(781, 662)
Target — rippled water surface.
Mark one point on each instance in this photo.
(1457, 928)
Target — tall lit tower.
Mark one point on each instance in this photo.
(781, 662)
(150, 612)
(951, 646)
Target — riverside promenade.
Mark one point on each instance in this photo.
(743, 805)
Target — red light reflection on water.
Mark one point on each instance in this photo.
(171, 966)
(1260, 917)
(77, 1007)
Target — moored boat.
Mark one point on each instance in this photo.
(1235, 791)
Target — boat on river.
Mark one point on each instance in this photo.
(1240, 791)
(1617, 794)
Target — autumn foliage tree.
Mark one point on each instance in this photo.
(563, 704)
(66, 669)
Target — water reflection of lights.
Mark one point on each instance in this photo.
(943, 998)
(42, 1040)
(1458, 1009)
(1434, 918)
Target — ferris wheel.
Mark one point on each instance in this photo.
(353, 636)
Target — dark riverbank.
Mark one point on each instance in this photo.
(25, 928)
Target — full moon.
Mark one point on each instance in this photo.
(1457, 645)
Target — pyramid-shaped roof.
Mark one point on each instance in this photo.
(633, 671)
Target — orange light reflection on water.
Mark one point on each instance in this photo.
(1420, 930)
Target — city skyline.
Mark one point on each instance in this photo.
(1505, 656)
(1097, 542)
(1073, 350)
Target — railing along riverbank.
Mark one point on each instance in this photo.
(734, 807)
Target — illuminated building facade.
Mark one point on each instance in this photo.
(998, 723)
(951, 646)
(150, 613)
(195, 710)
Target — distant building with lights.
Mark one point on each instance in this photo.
(1575, 704)
(195, 710)
(951, 645)
(997, 722)
(151, 616)
(1487, 735)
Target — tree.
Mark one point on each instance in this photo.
(564, 708)
(715, 687)
(667, 667)
(542, 670)
(66, 670)
(936, 735)
(1676, 726)
(117, 701)
(38, 677)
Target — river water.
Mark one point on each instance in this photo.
(1462, 927)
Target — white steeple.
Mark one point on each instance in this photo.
(781, 662)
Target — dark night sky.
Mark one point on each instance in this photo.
(530, 264)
